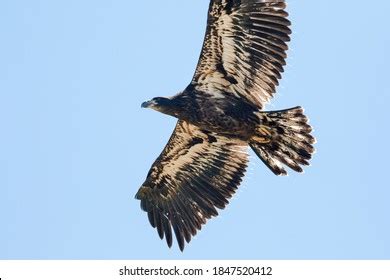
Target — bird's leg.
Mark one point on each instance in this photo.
(263, 134)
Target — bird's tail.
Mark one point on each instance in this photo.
(283, 138)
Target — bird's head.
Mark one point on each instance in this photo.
(161, 104)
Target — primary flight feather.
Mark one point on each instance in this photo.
(220, 115)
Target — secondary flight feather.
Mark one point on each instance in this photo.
(220, 115)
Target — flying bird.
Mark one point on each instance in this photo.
(220, 114)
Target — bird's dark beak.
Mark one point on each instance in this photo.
(146, 104)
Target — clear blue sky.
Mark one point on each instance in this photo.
(75, 144)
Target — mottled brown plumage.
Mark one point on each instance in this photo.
(220, 115)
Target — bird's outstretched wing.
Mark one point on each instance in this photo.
(195, 174)
(244, 49)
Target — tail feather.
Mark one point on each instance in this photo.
(289, 141)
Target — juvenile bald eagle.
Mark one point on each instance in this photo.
(220, 114)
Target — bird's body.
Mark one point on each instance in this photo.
(227, 115)
(220, 114)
